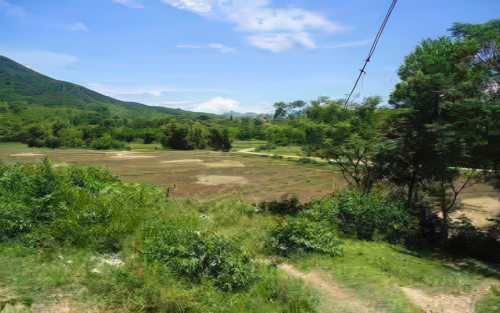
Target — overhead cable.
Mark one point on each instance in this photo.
(372, 50)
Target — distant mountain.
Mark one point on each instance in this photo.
(237, 114)
(26, 87)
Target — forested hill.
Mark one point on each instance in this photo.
(23, 86)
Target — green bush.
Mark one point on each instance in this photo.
(197, 254)
(268, 146)
(364, 215)
(106, 143)
(302, 234)
(288, 204)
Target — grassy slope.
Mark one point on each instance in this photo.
(47, 97)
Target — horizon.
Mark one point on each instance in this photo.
(216, 56)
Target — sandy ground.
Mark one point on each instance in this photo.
(183, 161)
(214, 180)
(26, 154)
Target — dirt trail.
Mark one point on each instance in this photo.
(334, 298)
(252, 151)
(440, 302)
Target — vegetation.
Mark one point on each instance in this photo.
(133, 246)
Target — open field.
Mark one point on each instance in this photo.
(196, 174)
(203, 174)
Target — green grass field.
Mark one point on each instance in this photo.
(371, 276)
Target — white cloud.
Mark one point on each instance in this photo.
(343, 45)
(188, 46)
(14, 10)
(134, 4)
(223, 48)
(281, 42)
(218, 104)
(196, 6)
(265, 19)
(274, 29)
(77, 27)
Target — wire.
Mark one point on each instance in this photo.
(372, 50)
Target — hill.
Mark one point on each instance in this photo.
(24, 88)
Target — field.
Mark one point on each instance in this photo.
(204, 174)
(370, 277)
(197, 174)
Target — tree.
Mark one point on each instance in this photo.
(176, 137)
(445, 125)
(219, 140)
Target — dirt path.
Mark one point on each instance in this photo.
(334, 298)
(249, 151)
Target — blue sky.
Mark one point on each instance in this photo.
(220, 55)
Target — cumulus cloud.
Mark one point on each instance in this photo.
(217, 104)
(134, 4)
(223, 48)
(77, 27)
(274, 29)
(281, 42)
(188, 47)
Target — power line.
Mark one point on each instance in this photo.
(372, 50)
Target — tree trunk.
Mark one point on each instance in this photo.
(444, 225)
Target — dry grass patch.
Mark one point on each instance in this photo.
(224, 164)
(183, 161)
(214, 180)
(26, 154)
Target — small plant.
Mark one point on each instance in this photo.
(287, 205)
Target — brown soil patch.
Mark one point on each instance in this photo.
(334, 298)
(184, 161)
(26, 154)
(134, 156)
(480, 209)
(214, 180)
(224, 164)
(441, 302)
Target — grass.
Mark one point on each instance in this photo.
(267, 178)
(377, 270)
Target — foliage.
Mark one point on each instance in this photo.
(286, 205)
(197, 254)
(363, 215)
(304, 234)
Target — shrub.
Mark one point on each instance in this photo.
(364, 215)
(268, 146)
(288, 204)
(106, 143)
(302, 233)
(197, 254)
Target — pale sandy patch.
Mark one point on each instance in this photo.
(133, 156)
(480, 209)
(441, 302)
(224, 164)
(183, 161)
(26, 154)
(214, 180)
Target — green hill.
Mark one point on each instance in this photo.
(23, 88)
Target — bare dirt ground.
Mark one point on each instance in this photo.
(334, 297)
(480, 204)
